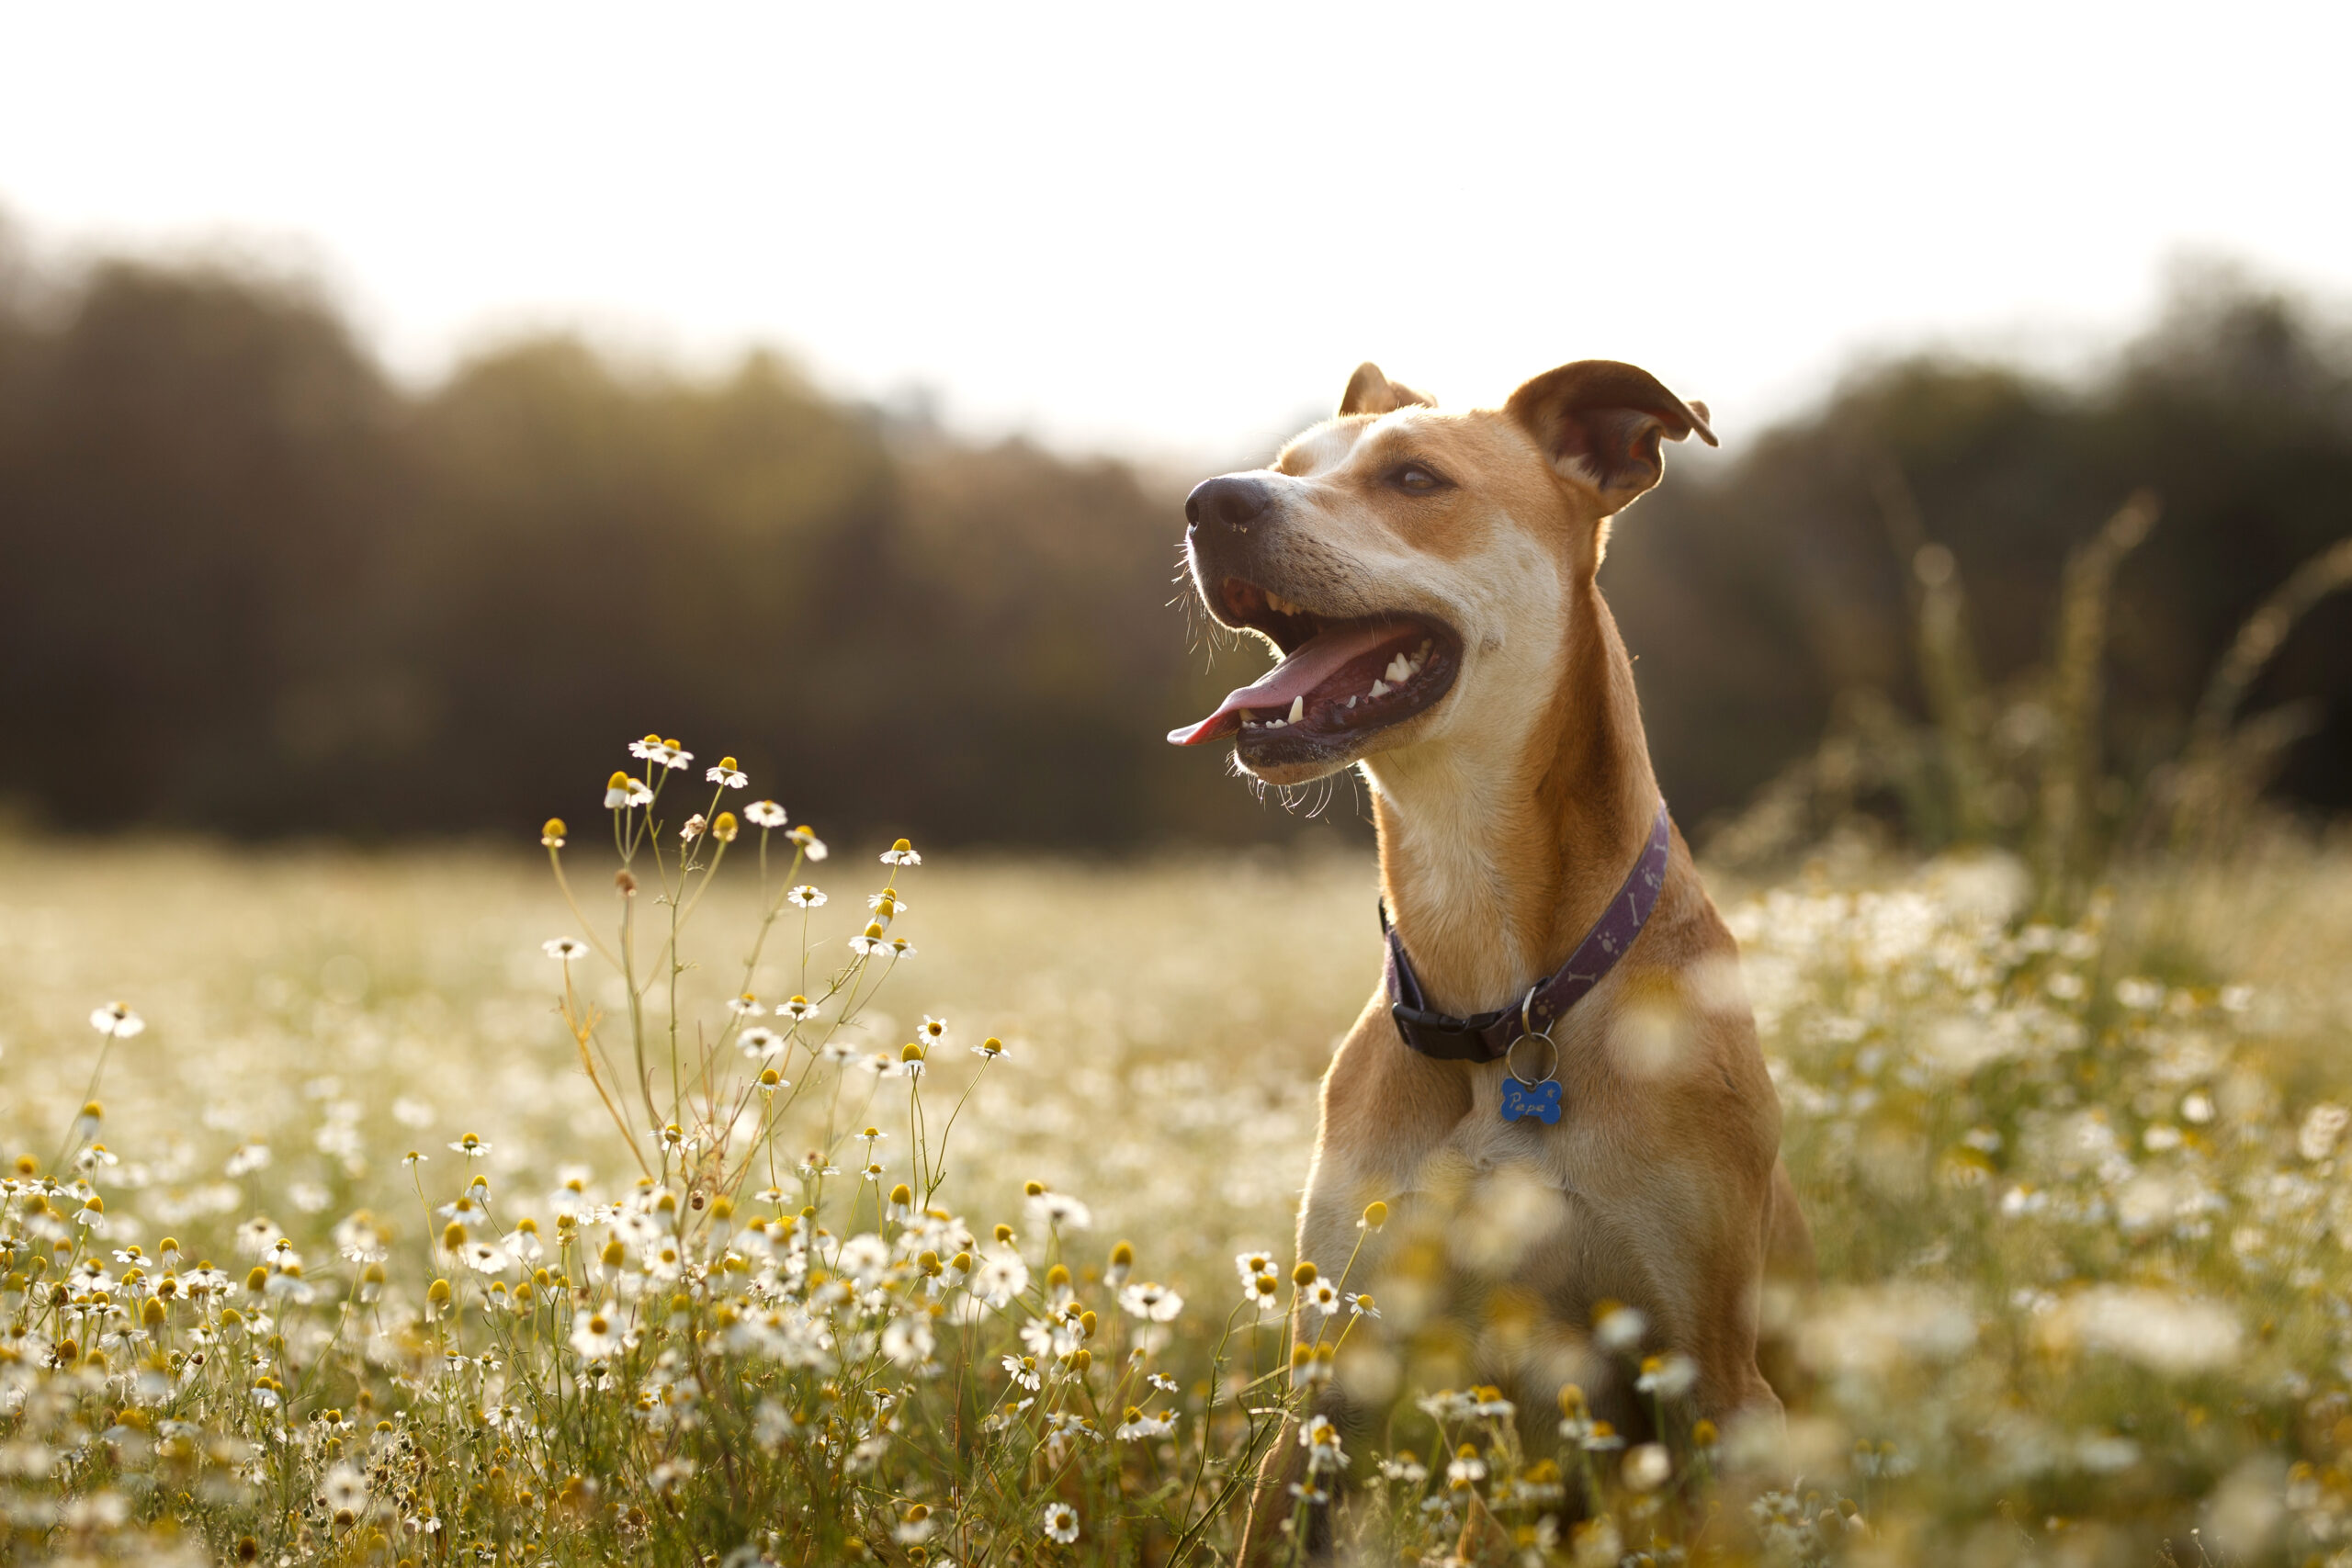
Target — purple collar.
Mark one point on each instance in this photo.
(1488, 1036)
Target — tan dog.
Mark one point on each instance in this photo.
(1429, 581)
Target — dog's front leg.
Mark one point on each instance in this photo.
(1384, 1111)
(1304, 1484)
(1727, 1294)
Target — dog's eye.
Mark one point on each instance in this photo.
(1417, 478)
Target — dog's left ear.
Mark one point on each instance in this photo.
(1601, 424)
(1369, 391)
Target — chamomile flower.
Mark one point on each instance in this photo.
(726, 775)
(799, 1009)
(1324, 1297)
(1249, 1265)
(1141, 1426)
(933, 1032)
(1059, 1210)
(1265, 1291)
(1022, 1369)
(1001, 1277)
(1668, 1377)
(761, 1044)
(1162, 1382)
(1060, 1523)
(806, 837)
(117, 1022)
(805, 897)
(1152, 1302)
(901, 948)
(988, 1049)
(900, 853)
(343, 1490)
(746, 1006)
(870, 943)
(1361, 1306)
(669, 753)
(1320, 1438)
(551, 832)
(1647, 1467)
(839, 1053)
(1618, 1327)
(693, 829)
(652, 749)
(763, 814)
(472, 1147)
(486, 1257)
(565, 948)
(596, 1334)
(1467, 1470)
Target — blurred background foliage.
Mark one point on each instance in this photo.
(251, 584)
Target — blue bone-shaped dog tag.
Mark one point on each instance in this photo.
(1539, 1102)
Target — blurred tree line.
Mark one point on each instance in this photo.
(1792, 588)
(250, 585)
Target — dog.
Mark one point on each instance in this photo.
(1560, 1047)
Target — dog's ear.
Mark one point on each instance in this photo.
(1601, 424)
(1369, 391)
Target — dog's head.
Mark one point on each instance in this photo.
(1414, 570)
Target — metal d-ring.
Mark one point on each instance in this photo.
(1527, 1032)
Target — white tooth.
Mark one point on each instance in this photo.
(1297, 709)
(1398, 672)
(1380, 688)
(1351, 702)
(1422, 651)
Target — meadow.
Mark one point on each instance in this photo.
(373, 1243)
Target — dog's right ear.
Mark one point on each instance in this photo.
(1599, 424)
(1369, 391)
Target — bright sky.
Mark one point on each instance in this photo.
(1175, 229)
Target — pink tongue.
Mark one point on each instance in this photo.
(1315, 661)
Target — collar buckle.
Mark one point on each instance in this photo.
(1440, 1034)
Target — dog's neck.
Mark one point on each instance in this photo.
(1497, 858)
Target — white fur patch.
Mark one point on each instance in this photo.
(1581, 468)
(1323, 448)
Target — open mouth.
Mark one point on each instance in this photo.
(1339, 679)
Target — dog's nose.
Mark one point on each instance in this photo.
(1236, 502)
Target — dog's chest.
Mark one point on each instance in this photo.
(1483, 1142)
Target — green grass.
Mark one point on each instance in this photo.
(2084, 1256)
